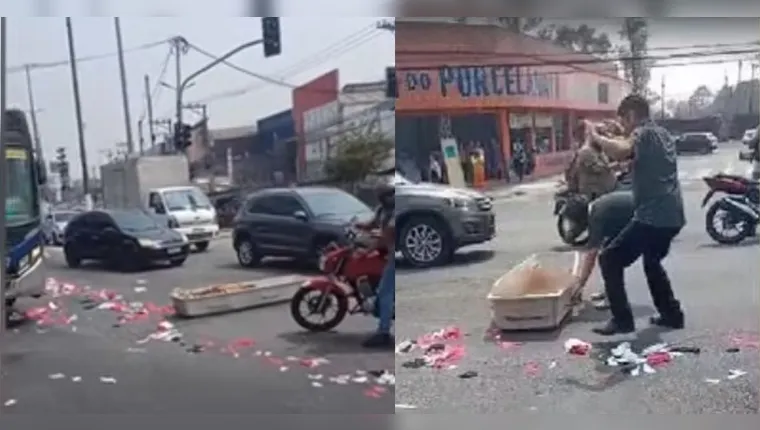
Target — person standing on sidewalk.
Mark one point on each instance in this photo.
(658, 217)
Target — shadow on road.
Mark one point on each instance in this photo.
(748, 242)
(460, 259)
(331, 343)
(609, 377)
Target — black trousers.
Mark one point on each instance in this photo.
(652, 244)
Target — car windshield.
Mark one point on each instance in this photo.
(20, 207)
(63, 216)
(334, 203)
(134, 221)
(188, 199)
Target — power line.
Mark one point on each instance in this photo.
(581, 62)
(241, 69)
(157, 85)
(53, 64)
(333, 51)
(736, 45)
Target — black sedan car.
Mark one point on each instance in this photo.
(696, 143)
(123, 239)
(293, 222)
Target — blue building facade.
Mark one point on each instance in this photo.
(277, 139)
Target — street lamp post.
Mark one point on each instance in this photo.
(187, 81)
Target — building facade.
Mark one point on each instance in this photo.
(493, 89)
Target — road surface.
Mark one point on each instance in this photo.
(531, 372)
(85, 361)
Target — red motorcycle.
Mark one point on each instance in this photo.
(351, 275)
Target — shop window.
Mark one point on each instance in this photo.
(520, 136)
(561, 139)
(544, 133)
(603, 93)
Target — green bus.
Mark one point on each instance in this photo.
(24, 263)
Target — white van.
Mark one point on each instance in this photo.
(190, 213)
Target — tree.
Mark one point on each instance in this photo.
(636, 67)
(358, 154)
(700, 99)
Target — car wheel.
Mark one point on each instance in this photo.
(72, 259)
(201, 246)
(247, 254)
(426, 242)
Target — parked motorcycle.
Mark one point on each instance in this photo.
(572, 209)
(350, 277)
(735, 215)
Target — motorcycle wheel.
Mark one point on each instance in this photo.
(712, 217)
(570, 236)
(302, 297)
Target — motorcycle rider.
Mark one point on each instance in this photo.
(385, 220)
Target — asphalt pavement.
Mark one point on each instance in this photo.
(84, 352)
(531, 372)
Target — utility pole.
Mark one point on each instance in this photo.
(179, 48)
(662, 97)
(124, 91)
(3, 188)
(140, 137)
(78, 109)
(149, 103)
(33, 114)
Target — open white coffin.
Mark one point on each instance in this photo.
(535, 294)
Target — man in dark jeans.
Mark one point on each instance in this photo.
(658, 217)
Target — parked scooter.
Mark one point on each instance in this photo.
(348, 285)
(735, 215)
(572, 209)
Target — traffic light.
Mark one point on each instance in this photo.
(62, 167)
(270, 29)
(182, 136)
(391, 87)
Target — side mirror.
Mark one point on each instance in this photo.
(300, 215)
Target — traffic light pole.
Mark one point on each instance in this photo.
(181, 87)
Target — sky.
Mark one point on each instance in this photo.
(361, 54)
(235, 99)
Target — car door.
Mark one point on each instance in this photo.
(259, 222)
(79, 236)
(102, 235)
(292, 225)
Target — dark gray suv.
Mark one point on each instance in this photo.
(293, 222)
(433, 221)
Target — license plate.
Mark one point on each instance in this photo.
(174, 250)
(198, 230)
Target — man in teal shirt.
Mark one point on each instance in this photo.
(658, 217)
